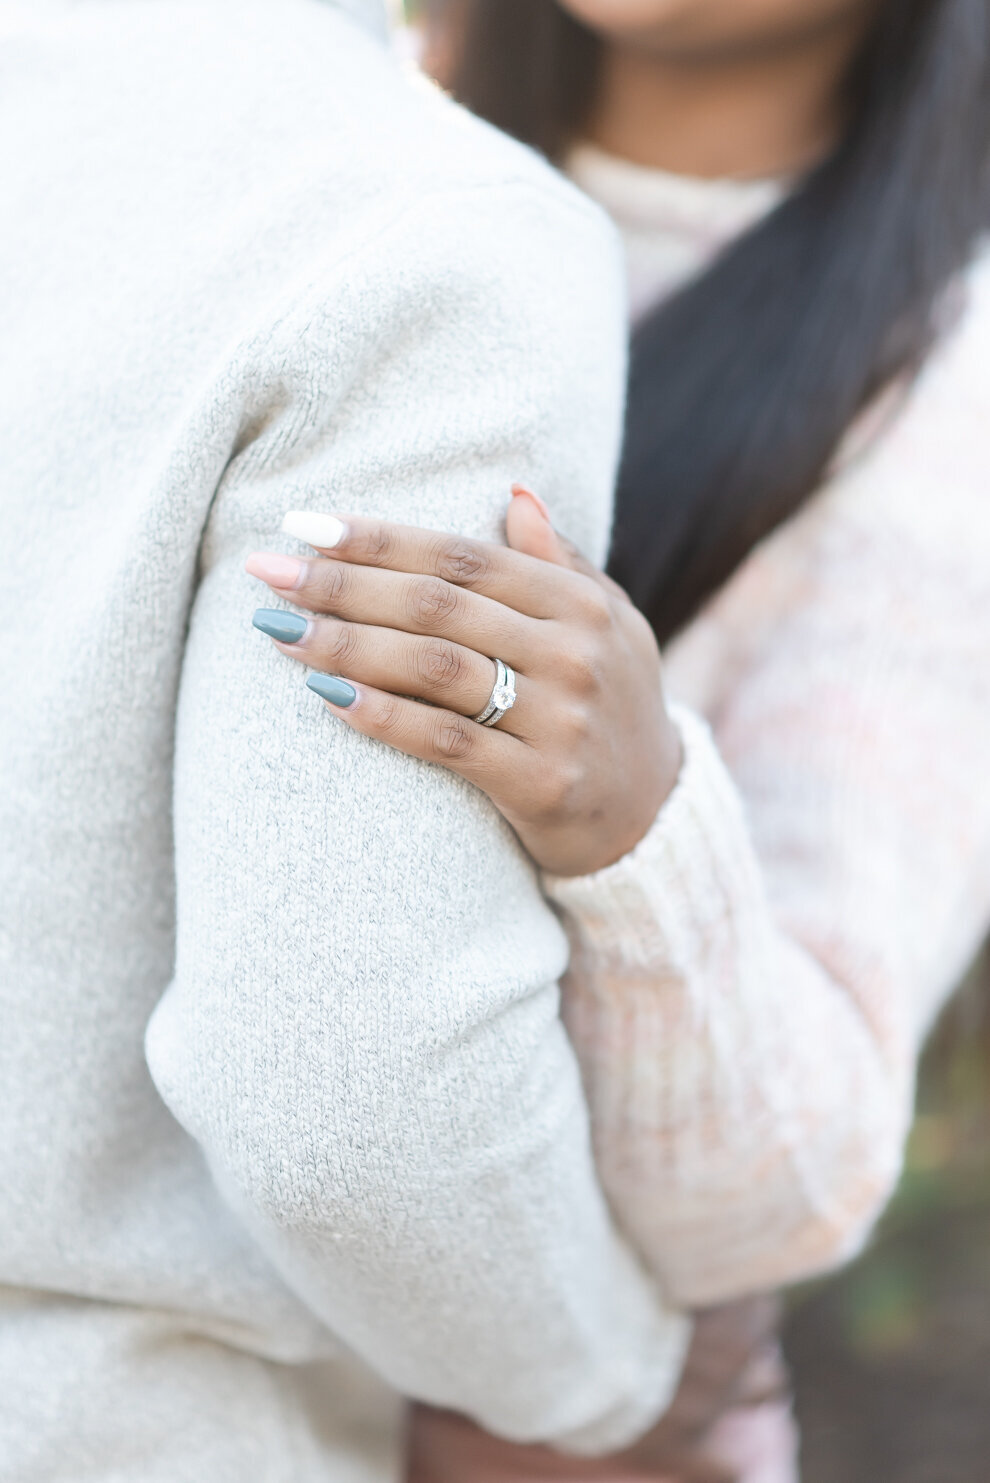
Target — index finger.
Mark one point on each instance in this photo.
(535, 588)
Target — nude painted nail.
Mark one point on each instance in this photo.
(277, 571)
(322, 531)
(540, 504)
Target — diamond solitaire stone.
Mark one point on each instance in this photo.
(502, 698)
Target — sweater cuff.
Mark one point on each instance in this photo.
(695, 866)
(629, 1424)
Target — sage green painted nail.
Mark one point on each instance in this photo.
(329, 687)
(288, 628)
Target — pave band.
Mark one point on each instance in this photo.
(502, 698)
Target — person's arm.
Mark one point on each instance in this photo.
(362, 1032)
(750, 985)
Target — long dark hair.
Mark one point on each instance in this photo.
(743, 383)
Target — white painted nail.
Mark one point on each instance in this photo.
(322, 531)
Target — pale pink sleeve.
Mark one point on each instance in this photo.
(749, 987)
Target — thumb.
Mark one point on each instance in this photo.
(528, 528)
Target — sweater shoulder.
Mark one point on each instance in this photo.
(289, 138)
(293, 91)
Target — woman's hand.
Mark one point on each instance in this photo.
(732, 1372)
(581, 763)
(445, 1448)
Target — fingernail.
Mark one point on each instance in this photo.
(324, 531)
(329, 687)
(277, 571)
(540, 504)
(288, 628)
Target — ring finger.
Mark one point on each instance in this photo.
(429, 668)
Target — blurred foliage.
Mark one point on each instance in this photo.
(892, 1356)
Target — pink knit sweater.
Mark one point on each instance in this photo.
(750, 987)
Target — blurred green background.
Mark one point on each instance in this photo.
(892, 1356)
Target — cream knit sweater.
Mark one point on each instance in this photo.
(749, 988)
(282, 1075)
(250, 270)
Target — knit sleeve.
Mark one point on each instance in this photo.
(363, 1033)
(749, 987)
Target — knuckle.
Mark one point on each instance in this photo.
(379, 544)
(440, 663)
(452, 740)
(387, 715)
(575, 723)
(558, 791)
(583, 668)
(333, 585)
(432, 601)
(341, 645)
(462, 563)
(596, 606)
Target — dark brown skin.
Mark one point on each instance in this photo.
(581, 765)
(582, 762)
(731, 1362)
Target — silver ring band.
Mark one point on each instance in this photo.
(502, 698)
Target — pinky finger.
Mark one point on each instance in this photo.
(480, 754)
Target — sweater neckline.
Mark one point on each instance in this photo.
(672, 226)
(642, 198)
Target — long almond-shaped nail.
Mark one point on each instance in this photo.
(288, 628)
(277, 571)
(322, 531)
(329, 687)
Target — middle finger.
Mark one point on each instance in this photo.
(413, 604)
(538, 588)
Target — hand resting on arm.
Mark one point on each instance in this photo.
(363, 1032)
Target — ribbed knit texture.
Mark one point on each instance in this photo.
(282, 1075)
(749, 988)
